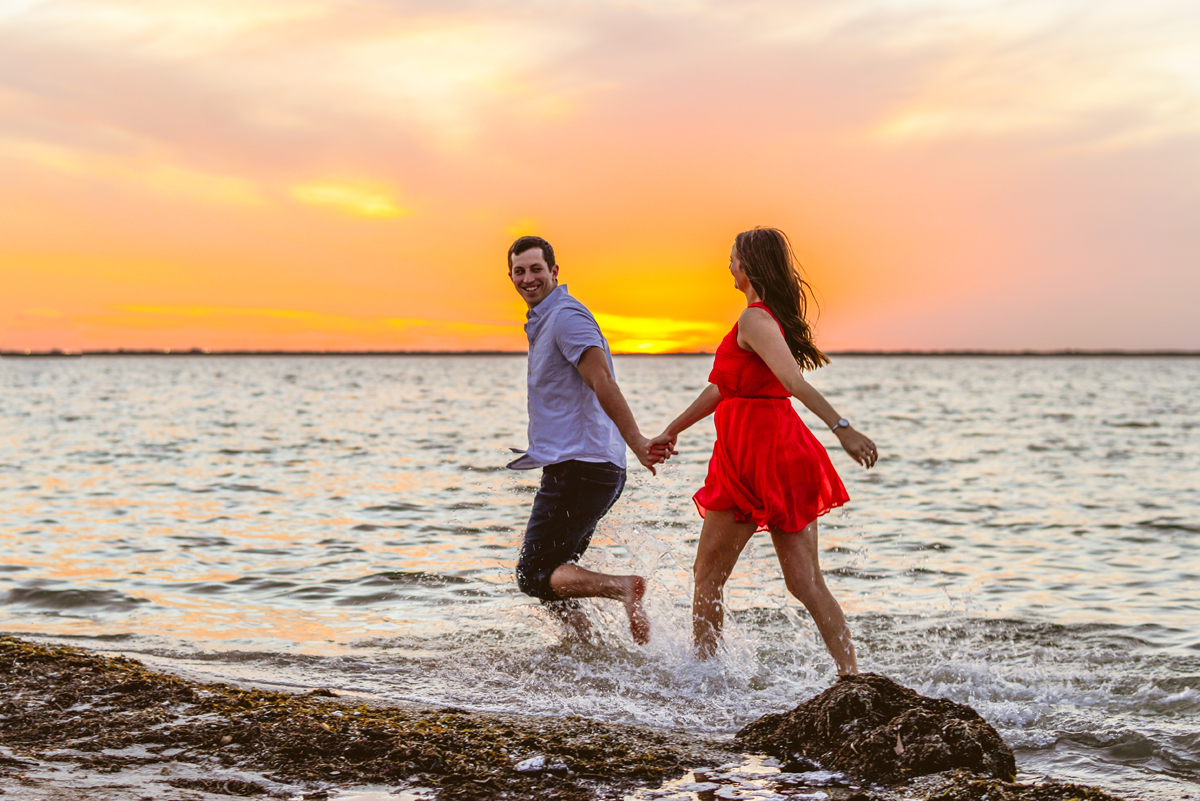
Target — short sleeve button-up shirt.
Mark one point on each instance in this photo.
(565, 418)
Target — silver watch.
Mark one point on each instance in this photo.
(841, 423)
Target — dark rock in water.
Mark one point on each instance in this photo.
(871, 727)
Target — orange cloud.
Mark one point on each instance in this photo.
(363, 199)
(143, 172)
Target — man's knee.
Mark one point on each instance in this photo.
(534, 580)
(525, 582)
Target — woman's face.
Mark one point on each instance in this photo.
(735, 269)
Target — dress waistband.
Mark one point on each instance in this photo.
(758, 397)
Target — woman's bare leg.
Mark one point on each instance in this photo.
(798, 556)
(721, 542)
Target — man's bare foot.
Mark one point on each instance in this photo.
(572, 581)
(639, 624)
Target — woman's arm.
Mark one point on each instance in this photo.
(758, 331)
(704, 405)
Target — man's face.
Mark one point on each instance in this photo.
(532, 278)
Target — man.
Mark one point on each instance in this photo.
(579, 424)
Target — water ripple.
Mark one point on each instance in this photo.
(1026, 543)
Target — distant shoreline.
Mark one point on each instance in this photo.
(197, 352)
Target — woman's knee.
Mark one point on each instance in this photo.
(807, 590)
(799, 591)
(708, 576)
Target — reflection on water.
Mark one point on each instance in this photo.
(1026, 543)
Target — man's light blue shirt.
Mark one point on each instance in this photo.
(565, 418)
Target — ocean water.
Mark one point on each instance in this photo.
(1027, 543)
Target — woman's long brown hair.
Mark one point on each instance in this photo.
(768, 261)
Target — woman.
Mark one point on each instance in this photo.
(767, 471)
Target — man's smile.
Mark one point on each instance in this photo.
(532, 277)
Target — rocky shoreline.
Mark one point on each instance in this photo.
(73, 720)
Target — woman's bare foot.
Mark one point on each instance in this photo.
(639, 624)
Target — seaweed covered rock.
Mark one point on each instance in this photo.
(965, 787)
(871, 727)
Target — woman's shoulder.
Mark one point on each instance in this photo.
(756, 314)
(752, 322)
(758, 325)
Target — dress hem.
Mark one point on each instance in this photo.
(765, 525)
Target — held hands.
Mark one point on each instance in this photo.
(858, 445)
(655, 451)
(646, 455)
(664, 445)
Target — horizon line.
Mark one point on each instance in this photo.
(200, 352)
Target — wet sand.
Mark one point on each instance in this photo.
(77, 724)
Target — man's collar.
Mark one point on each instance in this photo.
(556, 296)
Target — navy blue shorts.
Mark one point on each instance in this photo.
(573, 497)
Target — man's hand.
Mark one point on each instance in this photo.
(645, 455)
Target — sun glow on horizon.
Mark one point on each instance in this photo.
(658, 334)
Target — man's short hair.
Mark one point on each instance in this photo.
(529, 243)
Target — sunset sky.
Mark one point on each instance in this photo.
(328, 174)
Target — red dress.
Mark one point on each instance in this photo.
(766, 465)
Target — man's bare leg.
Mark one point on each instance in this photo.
(573, 581)
(573, 617)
